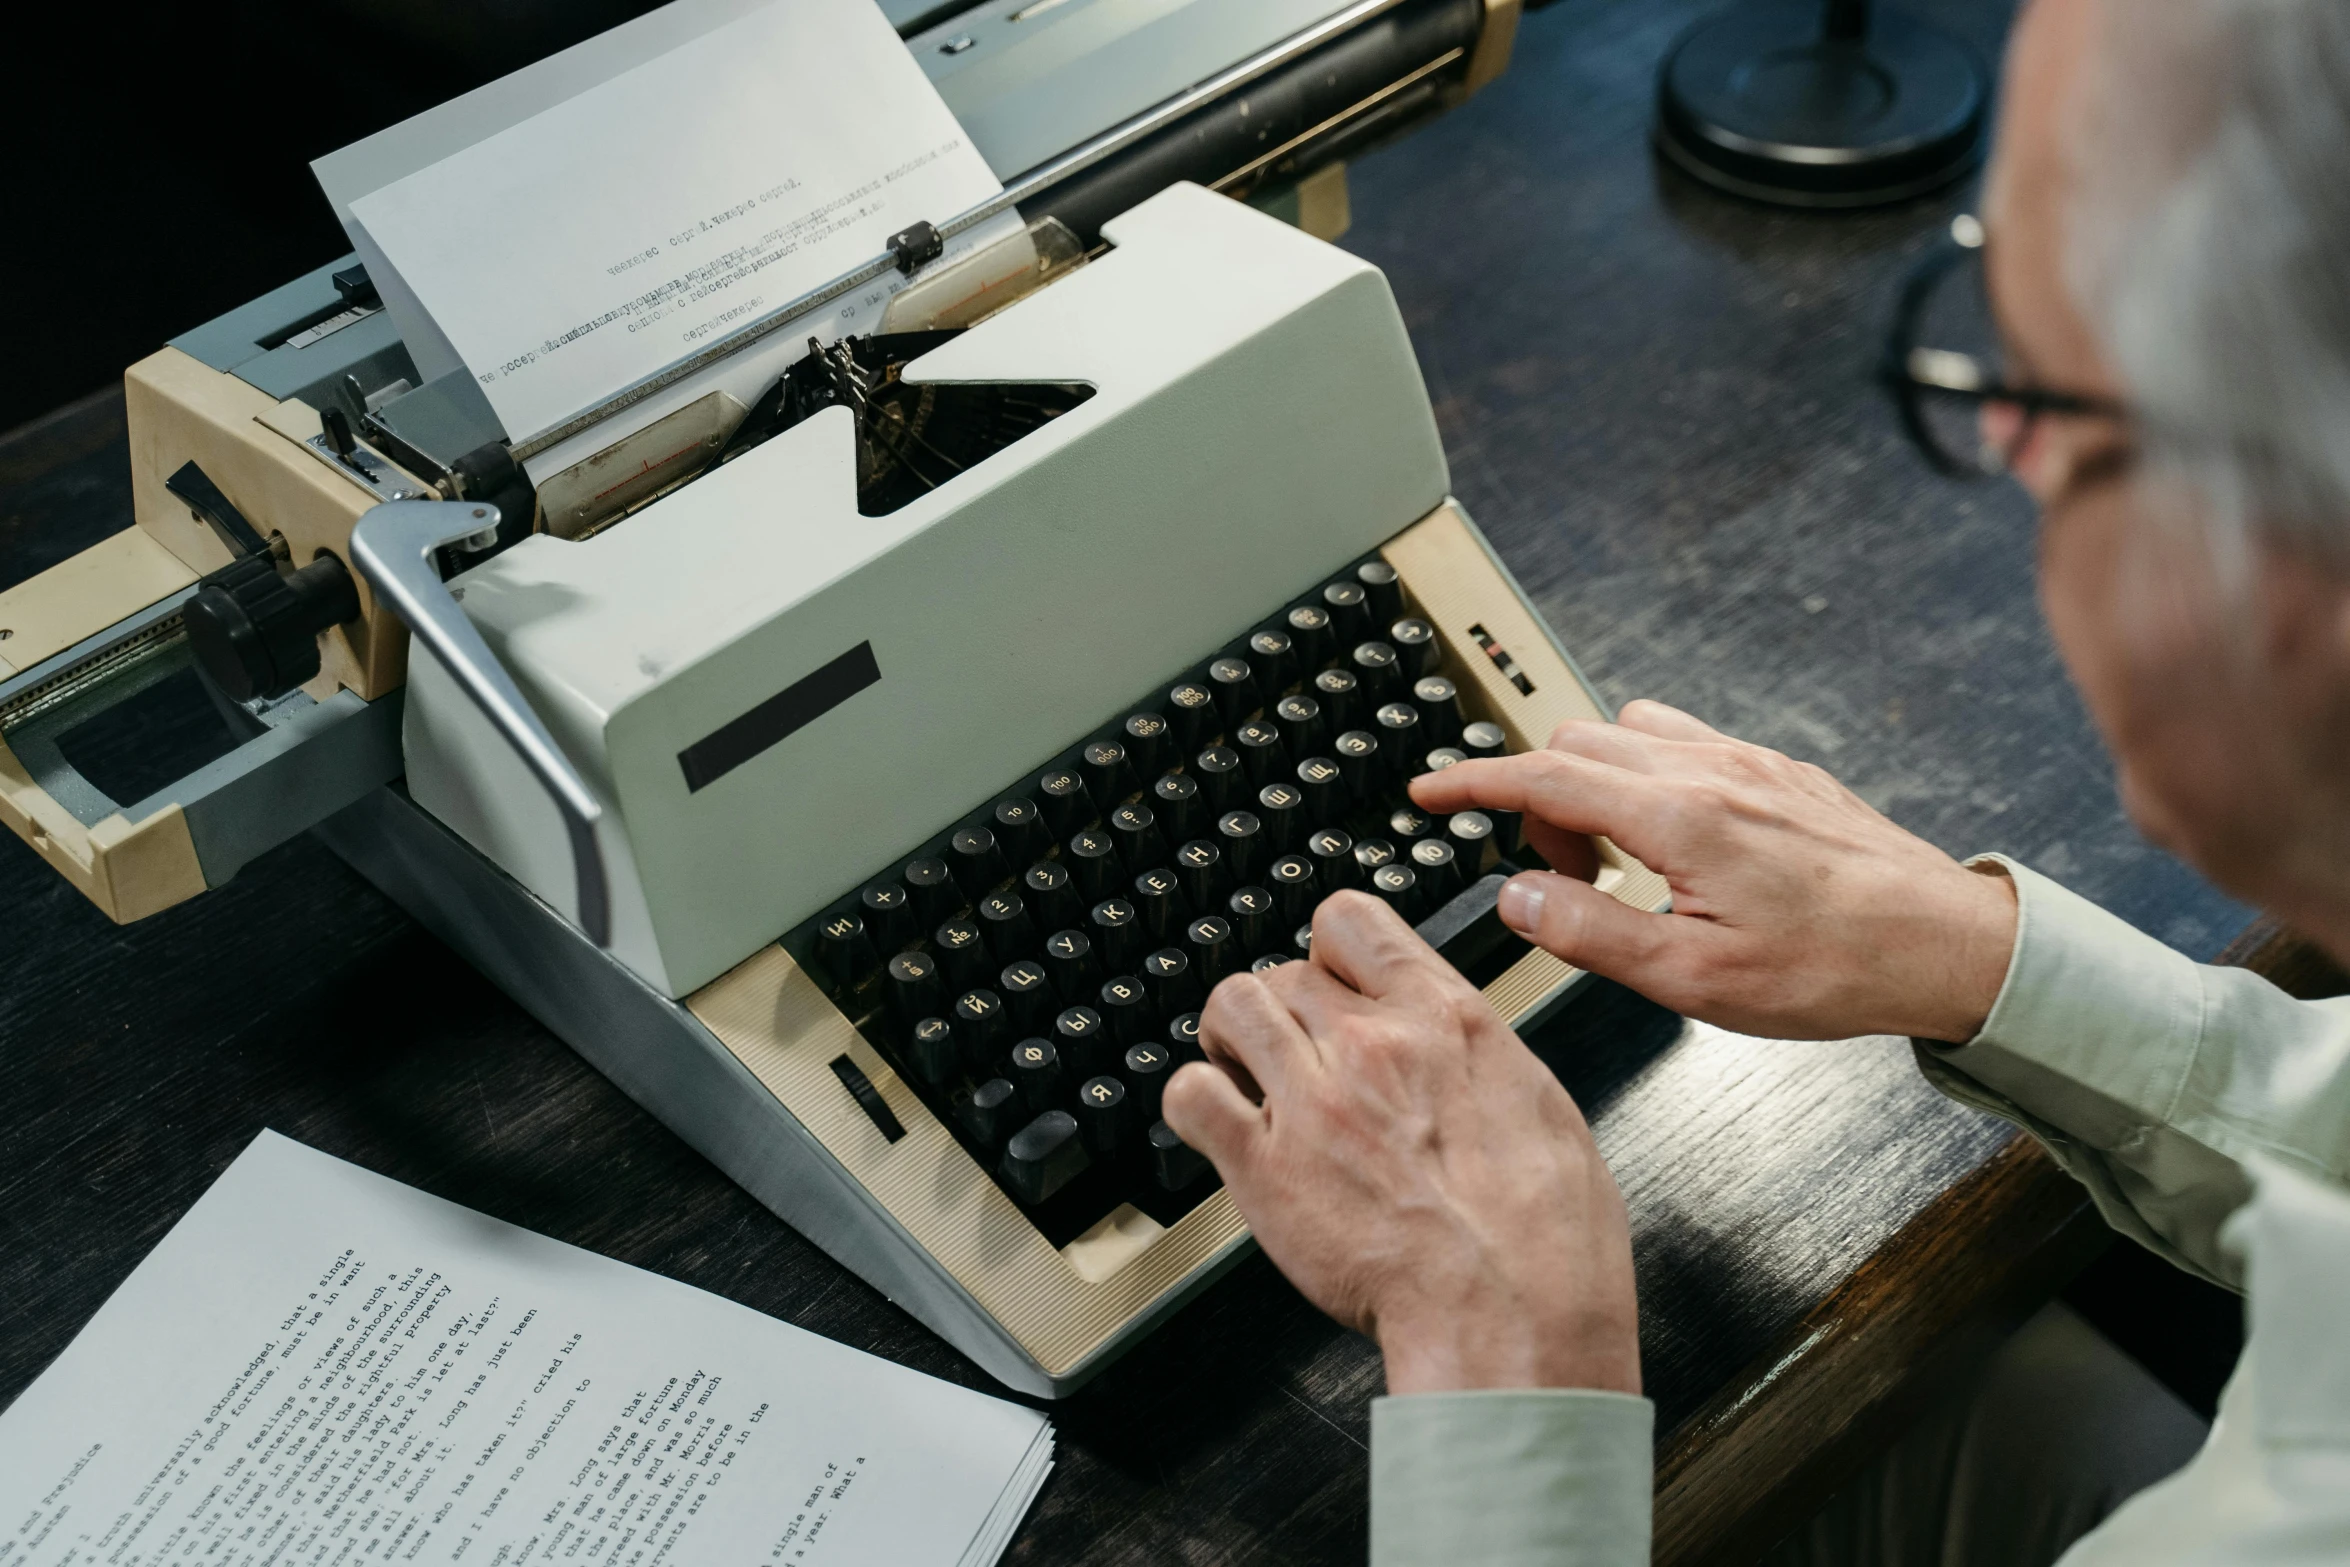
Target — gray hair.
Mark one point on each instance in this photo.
(2210, 252)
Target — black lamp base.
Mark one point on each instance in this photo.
(1767, 100)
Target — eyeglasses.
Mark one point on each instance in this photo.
(1945, 370)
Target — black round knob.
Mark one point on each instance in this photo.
(255, 629)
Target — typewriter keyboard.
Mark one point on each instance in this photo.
(1036, 972)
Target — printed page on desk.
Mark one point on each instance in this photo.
(570, 255)
(320, 1365)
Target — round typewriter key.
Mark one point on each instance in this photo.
(1340, 694)
(933, 887)
(1028, 994)
(1399, 728)
(1386, 591)
(915, 990)
(1242, 838)
(1109, 778)
(1060, 794)
(1349, 604)
(1370, 855)
(1309, 636)
(1333, 854)
(1439, 865)
(1442, 757)
(1399, 884)
(1052, 902)
(1235, 685)
(1092, 862)
(1078, 1034)
(1484, 739)
(1175, 1164)
(1252, 916)
(1409, 821)
(1191, 716)
(1101, 1114)
(1301, 941)
(1146, 1068)
(1469, 832)
(1222, 783)
(977, 861)
(1183, 1036)
(1274, 654)
(1019, 829)
(1175, 800)
(1004, 921)
(1044, 1156)
(1117, 934)
(1167, 973)
(1199, 865)
(989, 1111)
(1125, 1007)
(1069, 959)
(1300, 718)
(1375, 666)
(1259, 745)
(1292, 877)
(1359, 751)
(932, 1051)
(1134, 828)
(1439, 702)
(1212, 954)
(962, 952)
(1281, 808)
(1318, 779)
(1416, 647)
(889, 916)
(1145, 737)
(845, 954)
(1158, 898)
(1036, 1072)
(1270, 961)
(979, 1020)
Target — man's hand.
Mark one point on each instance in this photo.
(1798, 912)
(1411, 1167)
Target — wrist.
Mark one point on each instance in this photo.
(1981, 948)
(1451, 1353)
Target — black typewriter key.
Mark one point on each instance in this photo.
(1080, 1035)
(1439, 865)
(1146, 737)
(889, 916)
(1092, 862)
(1044, 1156)
(1183, 1036)
(962, 953)
(845, 954)
(1166, 973)
(1109, 777)
(1253, 917)
(1349, 604)
(1484, 739)
(915, 990)
(1117, 934)
(1036, 1073)
(932, 1051)
(1416, 647)
(1341, 696)
(1409, 821)
(1175, 800)
(1333, 854)
(978, 862)
(1300, 718)
(1310, 638)
(1134, 828)
(1370, 855)
(1158, 898)
(1145, 1072)
(989, 1112)
(1375, 666)
(1191, 716)
(1269, 962)
(1301, 941)
(1125, 1008)
(980, 1023)
(1320, 780)
(1443, 756)
(1213, 954)
(1361, 753)
(1469, 832)
(1242, 838)
(1199, 865)
(1028, 995)
(936, 897)
(1384, 587)
(1235, 685)
(1222, 783)
(1439, 702)
(1281, 808)
(1399, 731)
(1020, 831)
(1004, 921)
(1101, 1115)
(1053, 902)
(1273, 652)
(1069, 958)
(1259, 745)
(1399, 885)
(1175, 1164)
(1060, 794)
(1292, 877)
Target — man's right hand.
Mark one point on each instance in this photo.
(1798, 911)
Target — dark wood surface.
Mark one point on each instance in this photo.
(1655, 402)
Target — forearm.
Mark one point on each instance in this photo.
(1550, 1476)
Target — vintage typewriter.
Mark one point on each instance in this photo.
(872, 780)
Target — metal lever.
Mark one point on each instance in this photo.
(393, 545)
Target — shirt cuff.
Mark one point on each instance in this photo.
(1556, 1476)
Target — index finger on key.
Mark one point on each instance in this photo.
(1367, 947)
(1566, 790)
(1246, 1024)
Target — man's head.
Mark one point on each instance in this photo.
(2169, 221)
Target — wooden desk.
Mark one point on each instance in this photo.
(1656, 403)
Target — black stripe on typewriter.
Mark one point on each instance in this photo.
(852, 1077)
(775, 720)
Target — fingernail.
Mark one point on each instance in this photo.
(1520, 904)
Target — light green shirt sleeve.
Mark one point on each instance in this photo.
(1552, 1476)
(2151, 1077)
